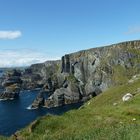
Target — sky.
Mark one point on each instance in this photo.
(33, 31)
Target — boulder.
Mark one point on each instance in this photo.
(127, 97)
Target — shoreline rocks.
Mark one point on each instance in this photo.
(39, 101)
(12, 85)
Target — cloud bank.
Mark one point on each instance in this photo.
(10, 34)
(20, 58)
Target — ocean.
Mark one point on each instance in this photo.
(14, 114)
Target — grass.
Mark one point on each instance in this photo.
(3, 138)
(98, 119)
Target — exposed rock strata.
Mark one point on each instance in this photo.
(12, 85)
(39, 101)
(82, 75)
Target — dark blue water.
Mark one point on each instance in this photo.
(1, 72)
(14, 115)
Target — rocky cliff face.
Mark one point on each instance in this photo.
(82, 75)
(39, 101)
(12, 85)
(38, 75)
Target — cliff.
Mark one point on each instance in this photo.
(82, 75)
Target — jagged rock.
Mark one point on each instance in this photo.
(64, 96)
(39, 101)
(31, 81)
(58, 96)
(95, 70)
(13, 88)
(49, 103)
(49, 87)
(8, 96)
(37, 75)
(12, 80)
(12, 85)
(65, 84)
(66, 64)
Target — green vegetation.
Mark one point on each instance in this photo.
(135, 60)
(71, 78)
(119, 75)
(105, 117)
(3, 138)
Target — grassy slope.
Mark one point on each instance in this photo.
(98, 119)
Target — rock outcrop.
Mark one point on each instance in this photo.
(39, 75)
(85, 74)
(39, 101)
(63, 96)
(12, 85)
(127, 97)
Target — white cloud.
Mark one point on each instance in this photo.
(10, 34)
(133, 30)
(18, 58)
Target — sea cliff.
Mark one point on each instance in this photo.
(85, 74)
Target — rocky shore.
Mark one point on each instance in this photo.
(12, 85)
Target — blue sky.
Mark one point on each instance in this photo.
(33, 31)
